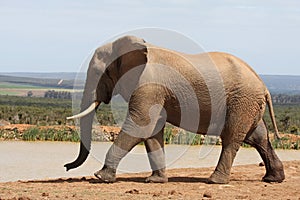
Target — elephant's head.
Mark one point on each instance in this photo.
(106, 67)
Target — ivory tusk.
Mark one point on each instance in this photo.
(92, 107)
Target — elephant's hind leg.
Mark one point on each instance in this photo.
(232, 137)
(155, 151)
(259, 139)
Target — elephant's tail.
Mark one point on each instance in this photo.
(272, 115)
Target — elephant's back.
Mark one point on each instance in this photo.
(228, 63)
(245, 91)
(237, 74)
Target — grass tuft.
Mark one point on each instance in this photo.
(36, 134)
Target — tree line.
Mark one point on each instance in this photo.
(51, 111)
(284, 99)
(281, 99)
(52, 94)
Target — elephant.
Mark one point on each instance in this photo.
(211, 93)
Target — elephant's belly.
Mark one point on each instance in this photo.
(188, 123)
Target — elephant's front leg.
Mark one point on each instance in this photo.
(156, 154)
(121, 146)
(145, 119)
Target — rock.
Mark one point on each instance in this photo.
(242, 197)
(133, 191)
(23, 198)
(207, 194)
(172, 192)
(4, 123)
(225, 186)
(44, 194)
(157, 194)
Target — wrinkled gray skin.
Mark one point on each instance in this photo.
(246, 97)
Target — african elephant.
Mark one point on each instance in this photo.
(210, 93)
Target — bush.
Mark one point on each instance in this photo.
(34, 134)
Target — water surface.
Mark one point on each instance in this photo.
(39, 160)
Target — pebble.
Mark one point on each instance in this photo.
(133, 191)
(44, 194)
(172, 192)
(207, 194)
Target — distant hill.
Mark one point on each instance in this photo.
(277, 84)
(53, 80)
(282, 84)
(41, 82)
(52, 75)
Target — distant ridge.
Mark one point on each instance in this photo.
(54, 80)
(282, 84)
(50, 75)
(277, 84)
(42, 82)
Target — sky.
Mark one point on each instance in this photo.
(57, 35)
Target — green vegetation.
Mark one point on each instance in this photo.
(49, 111)
(173, 135)
(9, 93)
(42, 134)
(36, 111)
(20, 89)
(287, 117)
(34, 134)
(285, 99)
(285, 143)
(52, 94)
(44, 111)
(7, 85)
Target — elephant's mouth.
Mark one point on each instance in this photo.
(91, 108)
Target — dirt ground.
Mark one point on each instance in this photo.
(183, 184)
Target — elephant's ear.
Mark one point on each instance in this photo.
(127, 44)
(99, 62)
(130, 47)
(123, 54)
(118, 53)
(131, 52)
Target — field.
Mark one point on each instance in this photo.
(36, 84)
(18, 89)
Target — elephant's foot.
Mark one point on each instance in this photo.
(275, 170)
(157, 176)
(106, 174)
(218, 178)
(277, 176)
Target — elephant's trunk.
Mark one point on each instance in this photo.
(83, 154)
(86, 122)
